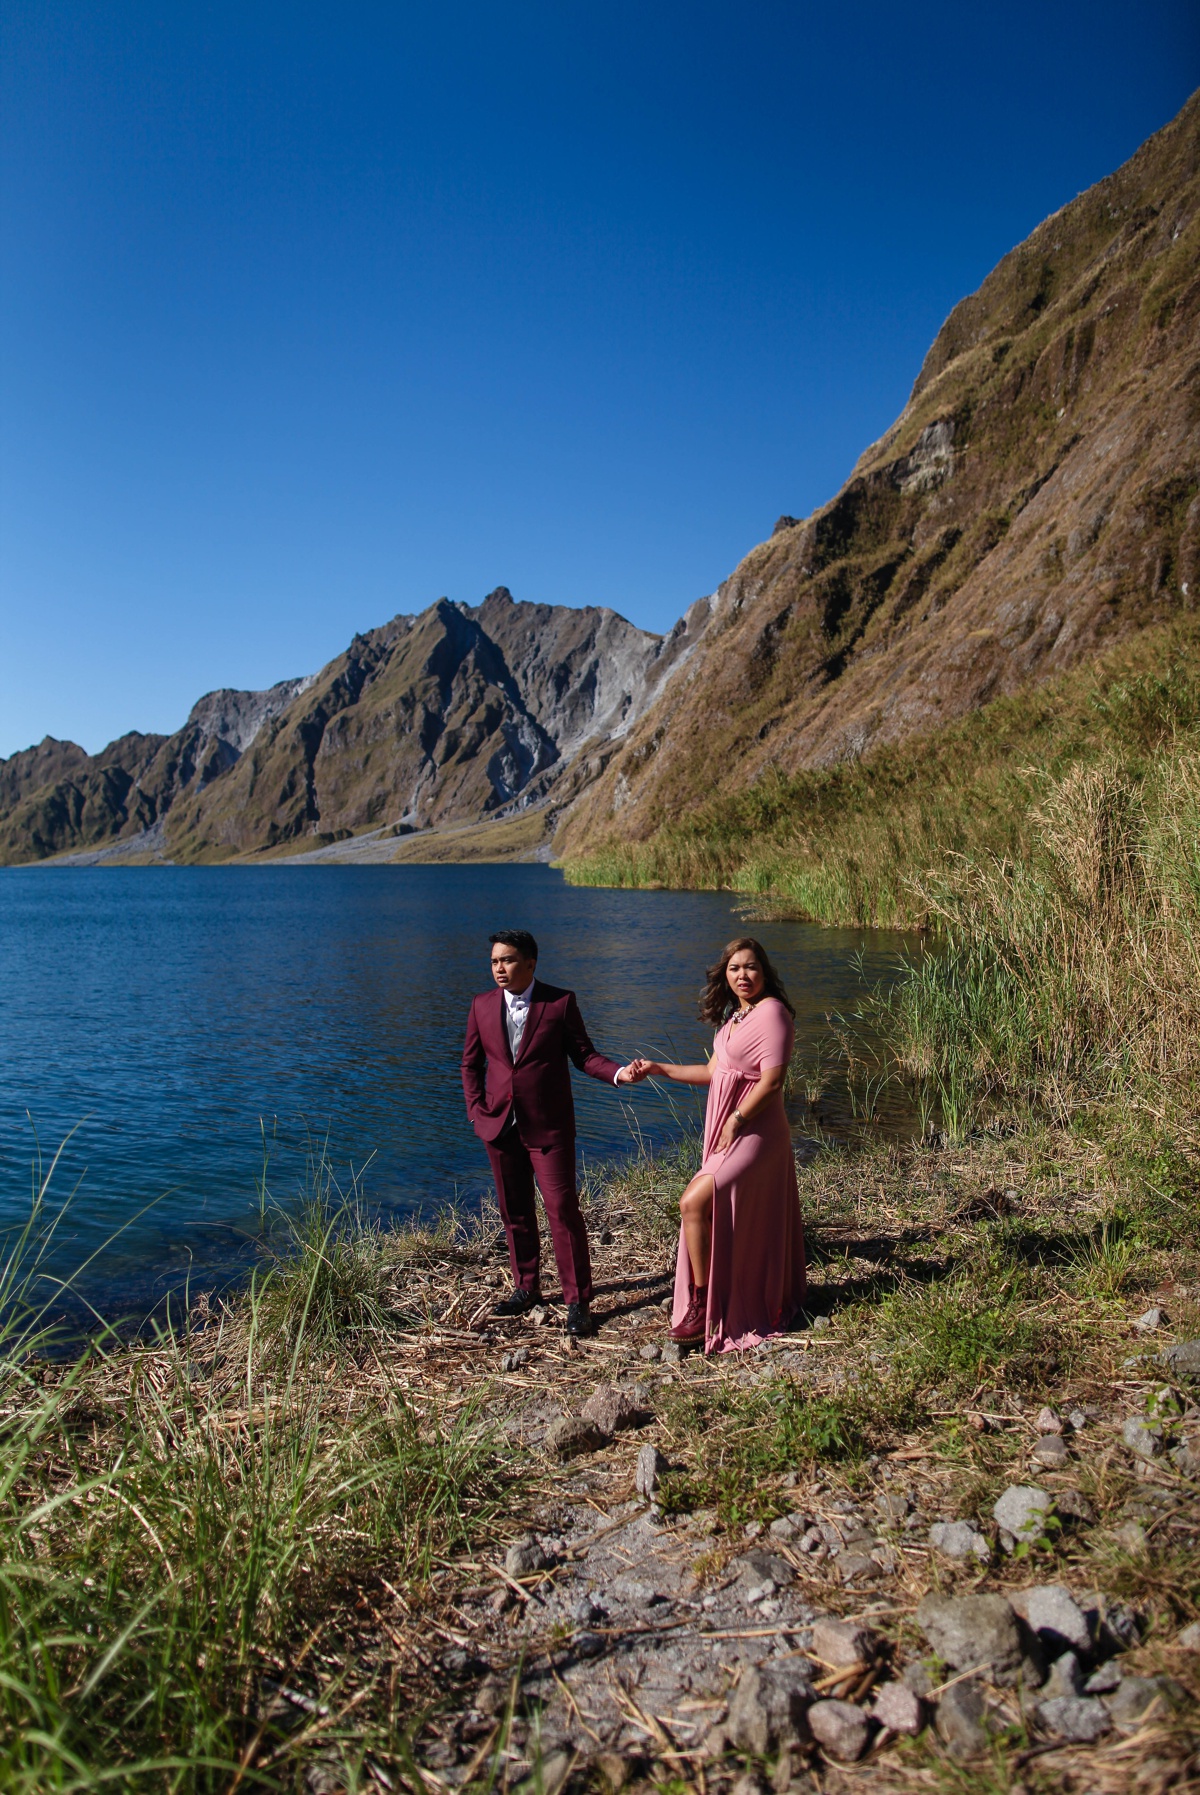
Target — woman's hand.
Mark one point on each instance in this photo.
(730, 1132)
(639, 1069)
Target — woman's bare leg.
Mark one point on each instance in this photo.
(695, 1209)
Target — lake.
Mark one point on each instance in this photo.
(179, 1018)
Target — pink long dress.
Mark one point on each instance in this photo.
(756, 1281)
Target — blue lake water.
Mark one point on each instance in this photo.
(174, 1017)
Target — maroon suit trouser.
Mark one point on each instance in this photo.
(516, 1168)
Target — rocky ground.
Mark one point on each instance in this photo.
(979, 1578)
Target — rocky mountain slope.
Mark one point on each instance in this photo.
(455, 715)
(1035, 502)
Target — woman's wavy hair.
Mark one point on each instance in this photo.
(717, 1000)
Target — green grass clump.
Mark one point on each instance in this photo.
(179, 1522)
(741, 1439)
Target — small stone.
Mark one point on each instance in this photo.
(1189, 1639)
(1053, 1614)
(672, 1352)
(538, 1316)
(611, 1409)
(1122, 1626)
(1183, 1359)
(898, 1708)
(782, 1528)
(1131, 1701)
(820, 1324)
(843, 1644)
(1151, 1321)
(1022, 1513)
(651, 1468)
(973, 1633)
(1140, 1440)
(893, 1508)
(552, 1773)
(1051, 1451)
(1078, 1719)
(1131, 1535)
(768, 1706)
(839, 1728)
(1065, 1678)
(587, 1612)
(1186, 1457)
(650, 1352)
(572, 1435)
(1078, 1420)
(1074, 1505)
(1048, 1422)
(958, 1539)
(1105, 1679)
(856, 1567)
(525, 1558)
(960, 1720)
(917, 1678)
(752, 1529)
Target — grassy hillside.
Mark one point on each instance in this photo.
(862, 842)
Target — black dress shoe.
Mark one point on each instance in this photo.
(519, 1303)
(579, 1320)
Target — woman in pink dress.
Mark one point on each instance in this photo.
(740, 1270)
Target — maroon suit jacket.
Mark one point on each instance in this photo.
(538, 1086)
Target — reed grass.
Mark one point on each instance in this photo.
(180, 1519)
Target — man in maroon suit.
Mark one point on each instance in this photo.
(521, 1041)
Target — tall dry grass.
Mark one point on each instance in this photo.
(1071, 976)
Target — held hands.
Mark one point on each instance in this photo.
(636, 1070)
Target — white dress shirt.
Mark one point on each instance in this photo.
(516, 1015)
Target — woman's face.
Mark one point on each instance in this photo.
(745, 976)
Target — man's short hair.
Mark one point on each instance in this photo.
(521, 939)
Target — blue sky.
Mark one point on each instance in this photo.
(312, 313)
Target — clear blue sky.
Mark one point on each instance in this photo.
(312, 313)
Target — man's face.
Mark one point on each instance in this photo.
(510, 969)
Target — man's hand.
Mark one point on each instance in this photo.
(634, 1072)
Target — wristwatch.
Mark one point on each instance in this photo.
(738, 1114)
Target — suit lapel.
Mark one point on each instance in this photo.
(532, 1020)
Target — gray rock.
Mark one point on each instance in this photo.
(961, 1720)
(958, 1539)
(783, 1528)
(525, 1557)
(572, 1435)
(1151, 1321)
(1142, 1441)
(843, 1644)
(1078, 1719)
(672, 1352)
(651, 1468)
(1104, 1680)
(856, 1567)
(1051, 1451)
(1121, 1626)
(611, 1409)
(1048, 1422)
(1186, 1457)
(917, 1678)
(1065, 1678)
(587, 1612)
(1131, 1701)
(972, 1633)
(1189, 1639)
(898, 1708)
(769, 1704)
(839, 1728)
(650, 1352)
(761, 1566)
(513, 1361)
(1131, 1535)
(551, 1774)
(1052, 1613)
(893, 1508)
(1183, 1359)
(1022, 1512)
(1073, 1505)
